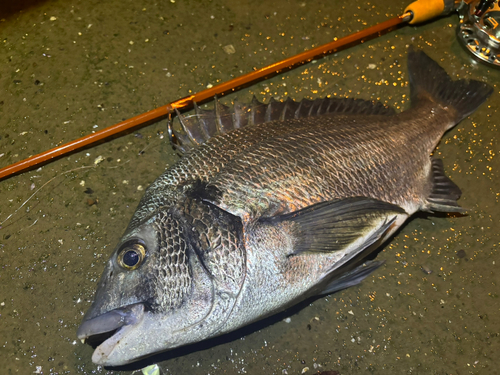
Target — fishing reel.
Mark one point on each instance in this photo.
(479, 29)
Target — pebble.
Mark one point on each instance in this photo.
(229, 49)
(425, 269)
(91, 201)
(98, 160)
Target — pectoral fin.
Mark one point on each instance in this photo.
(344, 224)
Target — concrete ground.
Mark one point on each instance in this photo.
(69, 68)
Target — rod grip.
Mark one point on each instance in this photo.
(424, 10)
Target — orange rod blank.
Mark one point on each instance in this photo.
(201, 96)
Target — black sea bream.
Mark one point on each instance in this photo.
(269, 205)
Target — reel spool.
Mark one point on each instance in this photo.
(479, 30)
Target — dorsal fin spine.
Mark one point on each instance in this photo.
(205, 124)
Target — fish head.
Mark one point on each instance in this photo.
(152, 296)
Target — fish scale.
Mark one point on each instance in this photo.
(171, 264)
(217, 243)
(270, 205)
(343, 156)
(215, 154)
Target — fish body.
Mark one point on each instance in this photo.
(269, 205)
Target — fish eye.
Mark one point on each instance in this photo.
(131, 255)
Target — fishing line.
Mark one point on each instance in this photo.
(40, 188)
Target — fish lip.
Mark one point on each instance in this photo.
(123, 320)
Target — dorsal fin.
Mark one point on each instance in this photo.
(203, 124)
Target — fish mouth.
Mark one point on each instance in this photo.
(107, 330)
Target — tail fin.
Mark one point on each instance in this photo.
(428, 79)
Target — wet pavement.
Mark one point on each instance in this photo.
(72, 67)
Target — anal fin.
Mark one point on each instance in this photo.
(351, 278)
(444, 193)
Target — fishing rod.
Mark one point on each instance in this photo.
(417, 12)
